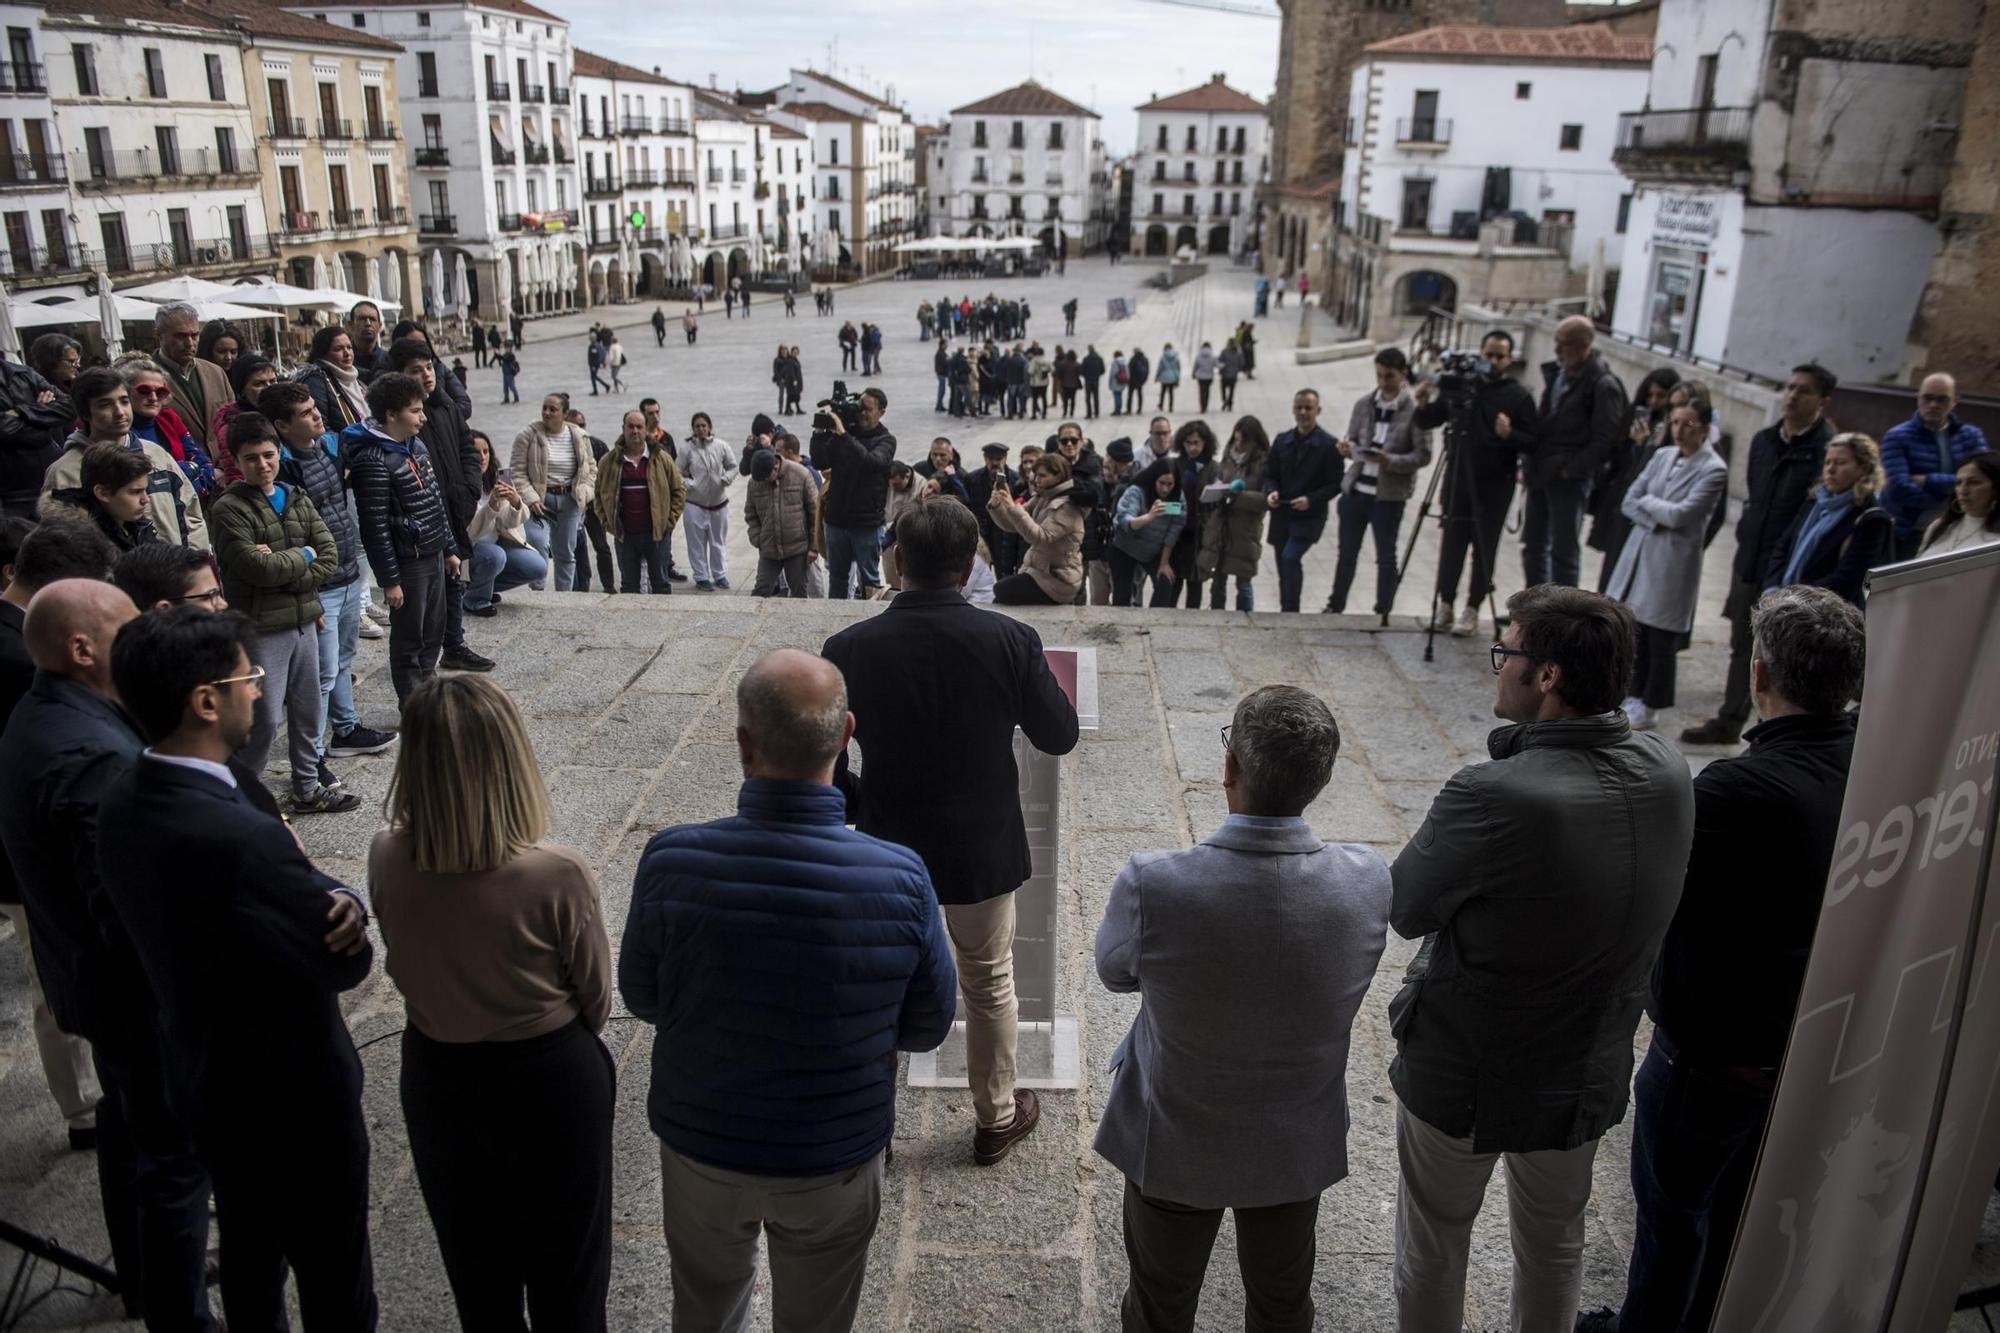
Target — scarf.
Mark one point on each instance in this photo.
(347, 383)
(1824, 510)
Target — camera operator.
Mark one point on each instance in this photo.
(1478, 470)
(852, 446)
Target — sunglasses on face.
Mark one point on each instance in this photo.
(149, 391)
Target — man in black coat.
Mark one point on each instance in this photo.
(1300, 481)
(1766, 822)
(1785, 462)
(32, 558)
(448, 437)
(67, 741)
(937, 686)
(1582, 421)
(35, 418)
(248, 948)
(1092, 370)
(1478, 475)
(857, 494)
(1002, 546)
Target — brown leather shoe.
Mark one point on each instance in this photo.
(990, 1145)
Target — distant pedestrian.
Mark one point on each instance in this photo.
(689, 325)
(614, 360)
(729, 303)
(479, 344)
(1069, 317)
(594, 358)
(791, 304)
(1168, 376)
(510, 367)
(743, 299)
(1204, 374)
(659, 326)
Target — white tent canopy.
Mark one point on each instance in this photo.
(1018, 243)
(31, 315)
(179, 289)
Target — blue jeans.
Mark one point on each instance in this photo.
(1550, 522)
(1694, 1139)
(497, 567)
(561, 518)
(944, 387)
(337, 643)
(1361, 514)
(1292, 571)
(857, 548)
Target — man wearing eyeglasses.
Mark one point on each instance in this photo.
(247, 948)
(159, 577)
(1920, 459)
(1541, 884)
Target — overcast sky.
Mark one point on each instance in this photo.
(1107, 54)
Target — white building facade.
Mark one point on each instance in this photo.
(487, 94)
(1023, 162)
(636, 139)
(783, 196)
(729, 147)
(40, 243)
(1202, 156)
(1479, 168)
(152, 126)
(1784, 205)
(872, 155)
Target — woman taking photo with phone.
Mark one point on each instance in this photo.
(1148, 522)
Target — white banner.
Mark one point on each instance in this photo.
(1883, 1139)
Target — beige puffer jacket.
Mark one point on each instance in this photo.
(1053, 528)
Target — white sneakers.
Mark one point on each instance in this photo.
(1468, 622)
(1641, 717)
(1441, 618)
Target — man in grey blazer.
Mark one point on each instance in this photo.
(1252, 953)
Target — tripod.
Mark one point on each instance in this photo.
(1458, 448)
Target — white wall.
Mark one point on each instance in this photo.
(1731, 30)
(1074, 162)
(725, 142)
(1239, 198)
(1705, 228)
(1491, 126)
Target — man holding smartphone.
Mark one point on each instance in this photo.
(1384, 452)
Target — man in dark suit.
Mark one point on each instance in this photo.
(1300, 481)
(938, 775)
(32, 558)
(1581, 421)
(247, 947)
(1003, 547)
(67, 740)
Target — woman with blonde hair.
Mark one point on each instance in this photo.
(1843, 531)
(497, 942)
(1050, 524)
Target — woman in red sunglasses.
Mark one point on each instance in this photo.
(154, 420)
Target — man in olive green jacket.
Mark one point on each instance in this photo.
(275, 551)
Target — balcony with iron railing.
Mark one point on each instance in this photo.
(715, 176)
(503, 157)
(336, 131)
(398, 216)
(675, 125)
(1423, 133)
(497, 91)
(23, 76)
(536, 154)
(600, 187)
(1700, 143)
(635, 124)
(563, 156)
(187, 255)
(586, 128)
(130, 169)
(1016, 177)
(433, 155)
(29, 260)
(643, 179)
(676, 176)
(437, 224)
(534, 92)
(284, 127)
(1054, 180)
(559, 94)
(510, 222)
(737, 175)
(347, 219)
(26, 171)
(297, 223)
(380, 131)
(730, 231)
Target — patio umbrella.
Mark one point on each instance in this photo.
(504, 287)
(280, 295)
(218, 309)
(319, 271)
(183, 288)
(434, 284)
(10, 341)
(56, 314)
(461, 293)
(109, 324)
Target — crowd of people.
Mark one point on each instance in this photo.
(188, 551)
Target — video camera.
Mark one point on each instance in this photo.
(845, 405)
(1458, 371)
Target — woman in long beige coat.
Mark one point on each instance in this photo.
(1051, 524)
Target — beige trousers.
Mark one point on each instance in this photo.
(982, 943)
(66, 1062)
(1440, 1184)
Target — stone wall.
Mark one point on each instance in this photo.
(1955, 330)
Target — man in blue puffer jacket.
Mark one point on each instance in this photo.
(784, 959)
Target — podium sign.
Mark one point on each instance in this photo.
(1048, 1052)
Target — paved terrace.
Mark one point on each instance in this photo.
(630, 707)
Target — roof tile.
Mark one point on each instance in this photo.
(1213, 96)
(1593, 42)
(1025, 99)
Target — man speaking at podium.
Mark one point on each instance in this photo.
(937, 686)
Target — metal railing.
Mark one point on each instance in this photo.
(536, 154)
(23, 76)
(642, 180)
(674, 125)
(499, 92)
(730, 231)
(345, 218)
(737, 175)
(1423, 130)
(635, 124)
(1721, 130)
(19, 169)
(145, 165)
(600, 187)
(431, 155)
(676, 176)
(563, 156)
(164, 257)
(437, 224)
(510, 222)
(380, 131)
(714, 176)
(336, 130)
(559, 94)
(534, 92)
(284, 127)
(21, 261)
(300, 223)
(504, 157)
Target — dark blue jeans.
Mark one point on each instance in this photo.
(1551, 521)
(1361, 514)
(1694, 1140)
(1292, 571)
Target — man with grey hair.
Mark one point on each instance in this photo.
(938, 776)
(199, 387)
(1921, 457)
(1256, 950)
(784, 959)
(1581, 423)
(1765, 826)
